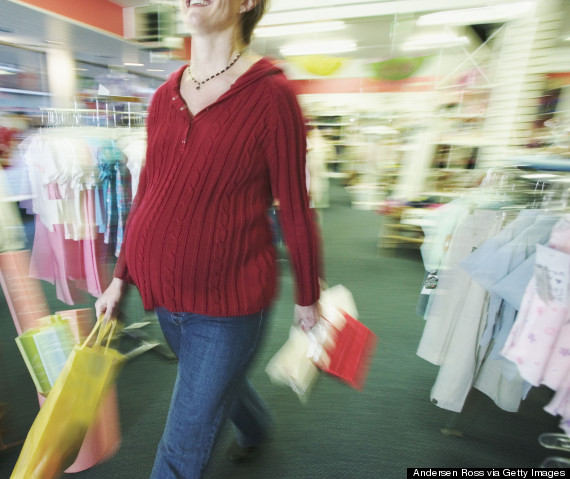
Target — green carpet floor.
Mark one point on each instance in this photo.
(339, 432)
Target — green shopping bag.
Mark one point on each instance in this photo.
(54, 440)
(45, 350)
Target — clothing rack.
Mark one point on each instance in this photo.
(108, 112)
(542, 183)
(505, 192)
(95, 162)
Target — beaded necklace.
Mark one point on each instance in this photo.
(200, 83)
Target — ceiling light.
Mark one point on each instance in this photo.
(439, 40)
(127, 64)
(319, 48)
(154, 70)
(538, 176)
(299, 29)
(473, 16)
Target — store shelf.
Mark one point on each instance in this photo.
(112, 98)
(467, 141)
(401, 239)
(461, 116)
(330, 124)
(16, 91)
(394, 233)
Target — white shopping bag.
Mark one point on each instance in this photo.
(292, 365)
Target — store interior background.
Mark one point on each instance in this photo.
(402, 113)
(390, 93)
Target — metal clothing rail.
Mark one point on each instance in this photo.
(106, 114)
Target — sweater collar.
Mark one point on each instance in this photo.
(258, 70)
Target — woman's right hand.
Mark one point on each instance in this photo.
(109, 302)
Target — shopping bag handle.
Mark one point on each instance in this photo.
(103, 330)
(106, 330)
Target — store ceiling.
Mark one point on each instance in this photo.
(378, 27)
(25, 26)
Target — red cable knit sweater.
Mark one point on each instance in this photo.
(198, 238)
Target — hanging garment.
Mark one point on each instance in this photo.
(490, 262)
(81, 195)
(463, 354)
(488, 268)
(438, 230)
(453, 327)
(453, 283)
(544, 309)
(50, 261)
(135, 151)
(539, 342)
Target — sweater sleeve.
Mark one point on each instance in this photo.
(286, 154)
(121, 269)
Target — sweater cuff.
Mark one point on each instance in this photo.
(121, 270)
(308, 298)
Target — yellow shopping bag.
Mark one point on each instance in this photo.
(57, 433)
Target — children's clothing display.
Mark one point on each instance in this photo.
(539, 342)
(80, 182)
(497, 317)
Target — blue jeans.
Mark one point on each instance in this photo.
(213, 355)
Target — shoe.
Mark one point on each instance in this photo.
(552, 440)
(556, 463)
(236, 453)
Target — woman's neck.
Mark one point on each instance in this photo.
(210, 54)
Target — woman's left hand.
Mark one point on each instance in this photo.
(307, 316)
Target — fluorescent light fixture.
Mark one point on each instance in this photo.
(318, 48)
(299, 29)
(81, 69)
(128, 64)
(436, 40)
(539, 176)
(472, 16)
(154, 70)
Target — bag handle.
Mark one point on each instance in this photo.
(112, 328)
(103, 330)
